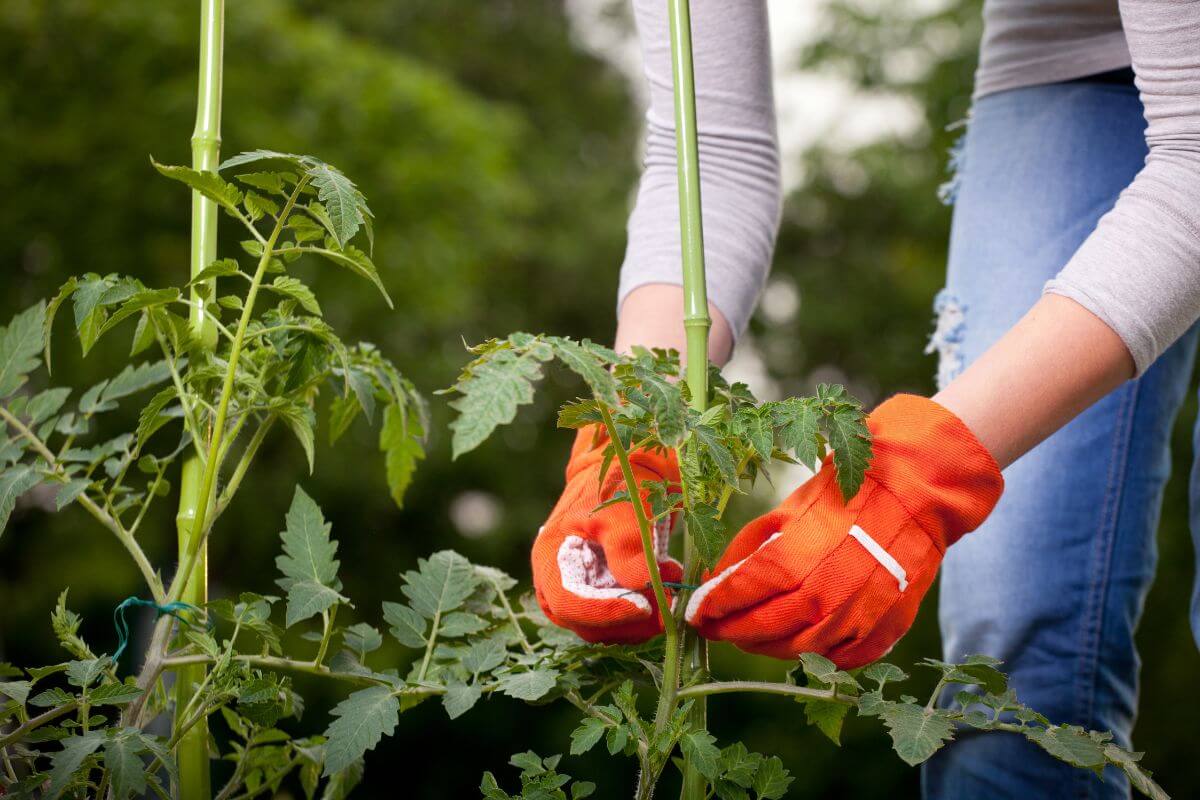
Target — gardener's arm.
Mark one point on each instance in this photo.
(739, 169)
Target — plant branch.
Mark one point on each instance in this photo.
(239, 471)
(327, 617)
(37, 722)
(765, 687)
(287, 664)
(104, 518)
(218, 432)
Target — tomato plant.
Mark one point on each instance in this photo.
(242, 351)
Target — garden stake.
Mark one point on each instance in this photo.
(696, 321)
(194, 778)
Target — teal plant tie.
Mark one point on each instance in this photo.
(122, 626)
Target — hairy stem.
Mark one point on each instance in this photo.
(286, 664)
(19, 733)
(103, 517)
(327, 617)
(765, 687)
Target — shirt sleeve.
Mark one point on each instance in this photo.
(738, 149)
(1139, 271)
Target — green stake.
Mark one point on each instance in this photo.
(695, 313)
(194, 777)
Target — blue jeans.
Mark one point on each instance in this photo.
(1054, 582)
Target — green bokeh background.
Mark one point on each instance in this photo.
(499, 158)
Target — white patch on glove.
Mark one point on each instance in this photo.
(693, 606)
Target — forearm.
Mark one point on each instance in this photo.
(652, 316)
(1058, 360)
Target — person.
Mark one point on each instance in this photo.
(1066, 340)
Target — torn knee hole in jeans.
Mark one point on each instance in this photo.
(948, 335)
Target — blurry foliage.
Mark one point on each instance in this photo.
(500, 157)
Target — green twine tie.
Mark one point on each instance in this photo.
(122, 626)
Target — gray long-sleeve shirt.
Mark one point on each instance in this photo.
(1139, 271)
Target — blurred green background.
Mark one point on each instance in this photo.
(499, 155)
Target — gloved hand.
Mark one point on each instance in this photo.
(589, 570)
(845, 579)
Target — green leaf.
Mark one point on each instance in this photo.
(136, 303)
(134, 379)
(114, 694)
(440, 584)
(755, 428)
(484, 655)
(362, 639)
(492, 389)
(299, 419)
(362, 719)
(851, 442)
(917, 733)
(400, 439)
(882, 673)
(267, 181)
(707, 532)
(75, 750)
(83, 673)
(151, 417)
(308, 565)
(258, 206)
(585, 737)
(529, 686)
(714, 449)
(460, 698)
(1139, 778)
(64, 293)
(701, 750)
(341, 199)
(772, 779)
(209, 184)
(15, 482)
(127, 773)
(17, 690)
(65, 624)
(585, 364)
(1069, 743)
(221, 268)
(357, 262)
(295, 289)
(343, 782)
(825, 672)
(827, 716)
(582, 789)
(408, 627)
(45, 404)
(739, 765)
(797, 424)
(20, 343)
(461, 623)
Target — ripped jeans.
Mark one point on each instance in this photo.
(1054, 582)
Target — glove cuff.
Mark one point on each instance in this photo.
(935, 467)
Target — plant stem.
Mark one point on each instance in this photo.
(765, 687)
(103, 517)
(271, 662)
(327, 617)
(49, 716)
(433, 632)
(670, 680)
(239, 472)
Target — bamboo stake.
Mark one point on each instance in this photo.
(696, 321)
(192, 754)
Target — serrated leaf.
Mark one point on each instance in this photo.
(702, 752)
(917, 733)
(707, 532)
(772, 780)
(827, 716)
(587, 366)
(529, 686)
(267, 181)
(440, 584)
(362, 719)
(137, 303)
(135, 378)
(362, 639)
(491, 393)
(587, 735)
(460, 698)
(295, 289)
(84, 672)
(484, 655)
(308, 564)
(357, 262)
(407, 626)
(15, 482)
(258, 206)
(123, 761)
(221, 268)
(151, 417)
(400, 439)
(299, 419)
(714, 450)
(20, 343)
(461, 623)
(44, 405)
(209, 184)
(17, 690)
(341, 199)
(882, 673)
(755, 428)
(66, 762)
(1069, 743)
(825, 672)
(797, 424)
(114, 694)
(851, 443)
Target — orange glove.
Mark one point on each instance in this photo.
(589, 570)
(845, 579)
